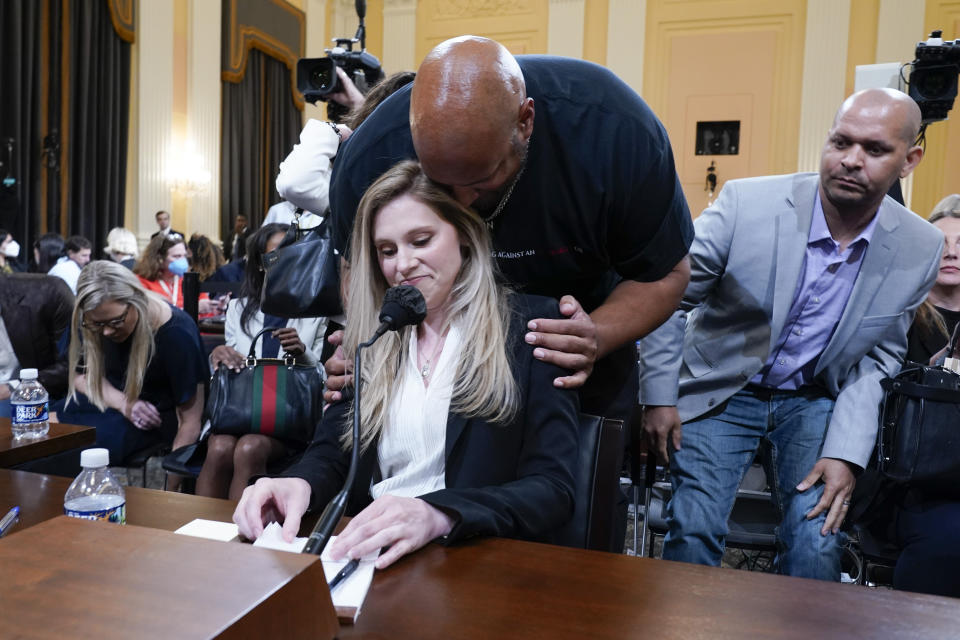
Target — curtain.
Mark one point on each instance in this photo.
(86, 143)
(99, 111)
(21, 106)
(260, 125)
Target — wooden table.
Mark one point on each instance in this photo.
(61, 437)
(496, 588)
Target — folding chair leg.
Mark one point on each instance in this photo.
(637, 551)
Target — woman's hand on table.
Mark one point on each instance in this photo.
(228, 357)
(403, 524)
(272, 499)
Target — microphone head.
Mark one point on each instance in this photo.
(403, 305)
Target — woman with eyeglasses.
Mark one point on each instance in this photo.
(161, 269)
(137, 367)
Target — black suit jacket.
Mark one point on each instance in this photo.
(514, 480)
(156, 233)
(233, 250)
(36, 312)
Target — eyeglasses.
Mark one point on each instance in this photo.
(115, 323)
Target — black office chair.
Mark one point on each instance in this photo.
(139, 459)
(597, 484)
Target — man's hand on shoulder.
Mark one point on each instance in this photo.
(662, 425)
(570, 342)
(838, 482)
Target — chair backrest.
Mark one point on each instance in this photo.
(597, 479)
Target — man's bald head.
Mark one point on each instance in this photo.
(870, 145)
(468, 108)
(886, 104)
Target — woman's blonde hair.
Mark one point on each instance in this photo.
(105, 281)
(483, 385)
(928, 319)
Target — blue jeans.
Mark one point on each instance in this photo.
(716, 452)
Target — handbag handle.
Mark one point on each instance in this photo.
(915, 390)
(252, 354)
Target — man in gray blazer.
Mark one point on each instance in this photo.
(802, 290)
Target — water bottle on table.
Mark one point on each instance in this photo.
(28, 407)
(96, 494)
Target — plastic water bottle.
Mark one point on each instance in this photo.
(96, 494)
(28, 407)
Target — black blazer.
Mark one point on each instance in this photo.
(514, 480)
(36, 312)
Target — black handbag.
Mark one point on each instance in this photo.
(301, 278)
(271, 396)
(919, 439)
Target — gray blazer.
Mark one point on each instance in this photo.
(746, 263)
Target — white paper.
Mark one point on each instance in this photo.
(350, 592)
(200, 528)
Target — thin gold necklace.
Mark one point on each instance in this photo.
(425, 369)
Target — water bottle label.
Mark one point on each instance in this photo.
(29, 413)
(116, 514)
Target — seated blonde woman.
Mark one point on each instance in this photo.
(144, 370)
(463, 432)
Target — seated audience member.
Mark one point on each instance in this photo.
(144, 369)
(801, 292)
(232, 461)
(463, 431)
(163, 222)
(925, 524)
(47, 251)
(9, 251)
(122, 247)
(36, 314)
(938, 315)
(68, 267)
(205, 257)
(161, 269)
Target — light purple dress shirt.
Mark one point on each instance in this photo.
(827, 280)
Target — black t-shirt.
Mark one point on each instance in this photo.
(177, 367)
(599, 200)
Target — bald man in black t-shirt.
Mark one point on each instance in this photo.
(575, 176)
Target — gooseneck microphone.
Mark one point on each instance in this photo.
(402, 306)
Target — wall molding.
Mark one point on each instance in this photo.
(824, 76)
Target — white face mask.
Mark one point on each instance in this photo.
(12, 250)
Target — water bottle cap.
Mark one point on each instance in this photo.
(90, 458)
(28, 374)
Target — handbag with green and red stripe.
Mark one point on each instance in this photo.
(271, 396)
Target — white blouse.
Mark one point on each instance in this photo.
(414, 437)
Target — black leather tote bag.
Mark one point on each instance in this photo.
(919, 439)
(301, 279)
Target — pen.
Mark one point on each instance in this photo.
(9, 520)
(344, 573)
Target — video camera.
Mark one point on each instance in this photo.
(933, 80)
(317, 77)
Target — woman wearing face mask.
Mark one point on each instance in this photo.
(161, 269)
(142, 362)
(463, 432)
(9, 250)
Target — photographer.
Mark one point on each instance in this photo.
(304, 178)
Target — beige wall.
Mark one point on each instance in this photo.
(786, 64)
